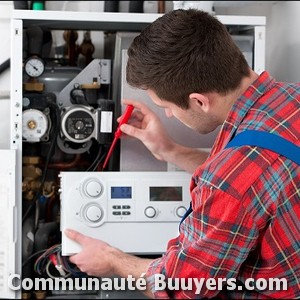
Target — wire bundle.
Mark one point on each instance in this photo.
(53, 256)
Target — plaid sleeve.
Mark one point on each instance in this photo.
(214, 241)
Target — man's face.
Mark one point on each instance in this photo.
(197, 120)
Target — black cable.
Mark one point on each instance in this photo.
(93, 167)
(74, 271)
(32, 256)
(78, 97)
(101, 159)
(95, 160)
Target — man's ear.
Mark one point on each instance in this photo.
(199, 102)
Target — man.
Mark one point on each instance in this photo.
(244, 225)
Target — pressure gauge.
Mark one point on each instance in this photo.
(34, 66)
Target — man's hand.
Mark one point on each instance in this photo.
(145, 125)
(99, 259)
(96, 257)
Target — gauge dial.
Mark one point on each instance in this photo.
(34, 66)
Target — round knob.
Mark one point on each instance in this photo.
(93, 188)
(150, 212)
(180, 211)
(93, 213)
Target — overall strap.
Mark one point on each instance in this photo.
(268, 141)
(264, 140)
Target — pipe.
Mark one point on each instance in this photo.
(5, 65)
(111, 6)
(20, 4)
(136, 6)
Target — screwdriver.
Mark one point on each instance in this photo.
(124, 119)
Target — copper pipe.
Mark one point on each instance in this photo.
(67, 165)
(161, 7)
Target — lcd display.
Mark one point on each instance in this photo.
(121, 192)
(165, 193)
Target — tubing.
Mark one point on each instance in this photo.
(5, 65)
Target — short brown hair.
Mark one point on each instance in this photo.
(185, 51)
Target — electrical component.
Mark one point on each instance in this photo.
(78, 124)
(124, 119)
(81, 125)
(118, 207)
(35, 125)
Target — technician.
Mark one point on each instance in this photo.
(244, 221)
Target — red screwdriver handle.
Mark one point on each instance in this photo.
(124, 119)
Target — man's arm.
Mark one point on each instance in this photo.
(187, 159)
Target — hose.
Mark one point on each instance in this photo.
(5, 65)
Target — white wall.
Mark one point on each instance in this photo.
(284, 46)
(282, 34)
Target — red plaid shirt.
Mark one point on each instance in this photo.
(246, 205)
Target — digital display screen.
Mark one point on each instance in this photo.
(121, 192)
(165, 193)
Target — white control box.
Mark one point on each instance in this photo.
(137, 212)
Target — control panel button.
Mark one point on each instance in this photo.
(150, 212)
(93, 213)
(116, 207)
(126, 213)
(93, 188)
(116, 213)
(180, 211)
(126, 206)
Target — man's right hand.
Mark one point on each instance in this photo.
(146, 126)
